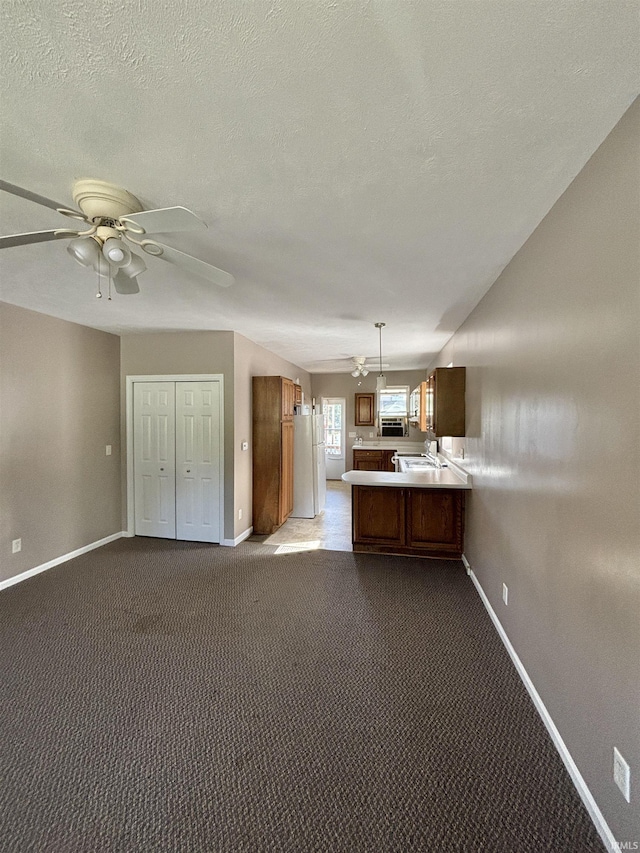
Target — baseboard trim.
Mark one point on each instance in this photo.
(576, 777)
(233, 542)
(63, 559)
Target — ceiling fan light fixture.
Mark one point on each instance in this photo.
(116, 252)
(364, 371)
(84, 250)
(355, 373)
(135, 267)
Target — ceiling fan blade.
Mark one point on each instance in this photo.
(163, 220)
(36, 237)
(38, 199)
(123, 284)
(189, 263)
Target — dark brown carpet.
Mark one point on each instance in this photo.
(163, 696)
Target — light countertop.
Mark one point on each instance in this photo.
(429, 478)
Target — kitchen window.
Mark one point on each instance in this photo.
(393, 401)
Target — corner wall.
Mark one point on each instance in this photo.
(59, 408)
(553, 429)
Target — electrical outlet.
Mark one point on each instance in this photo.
(505, 593)
(622, 775)
(239, 514)
(370, 435)
(16, 546)
(108, 448)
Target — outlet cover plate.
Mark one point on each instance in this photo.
(622, 774)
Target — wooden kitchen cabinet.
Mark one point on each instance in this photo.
(445, 407)
(413, 522)
(288, 397)
(378, 518)
(372, 460)
(297, 395)
(273, 400)
(365, 410)
(418, 407)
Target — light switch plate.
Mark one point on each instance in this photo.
(622, 774)
(108, 449)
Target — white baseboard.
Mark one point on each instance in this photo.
(63, 559)
(233, 542)
(576, 777)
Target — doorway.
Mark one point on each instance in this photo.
(175, 457)
(334, 410)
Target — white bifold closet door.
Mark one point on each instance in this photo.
(177, 460)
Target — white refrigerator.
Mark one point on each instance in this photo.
(309, 466)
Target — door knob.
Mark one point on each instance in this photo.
(162, 469)
(188, 470)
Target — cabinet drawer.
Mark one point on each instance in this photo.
(368, 454)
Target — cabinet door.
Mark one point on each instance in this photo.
(378, 516)
(422, 406)
(365, 410)
(445, 410)
(435, 520)
(430, 400)
(288, 398)
(286, 472)
(297, 395)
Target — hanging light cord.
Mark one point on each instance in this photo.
(379, 326)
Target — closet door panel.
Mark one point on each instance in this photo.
(198, 461)
(154, 459)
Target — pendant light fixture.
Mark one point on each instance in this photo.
(381, 379)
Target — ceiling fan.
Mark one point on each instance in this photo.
(360, 368)
(115, 218)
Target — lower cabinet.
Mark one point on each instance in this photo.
(372, 460)
(417, 522)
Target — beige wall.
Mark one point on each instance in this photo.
(553, 413)
(253, 360)
(344, 385)
(59, 408)
(237, 358)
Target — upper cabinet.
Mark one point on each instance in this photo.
(288, 398)
(418, 407)
(365, 410)
(444, 402)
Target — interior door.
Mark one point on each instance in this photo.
(154, 459)
(334, 409)
(198, 461)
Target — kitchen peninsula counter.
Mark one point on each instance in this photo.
(418, 513)
(431, 478)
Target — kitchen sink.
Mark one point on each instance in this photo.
(415, 463)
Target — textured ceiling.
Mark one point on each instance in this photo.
(356, 161)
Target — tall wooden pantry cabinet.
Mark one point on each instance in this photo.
(273, 402)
